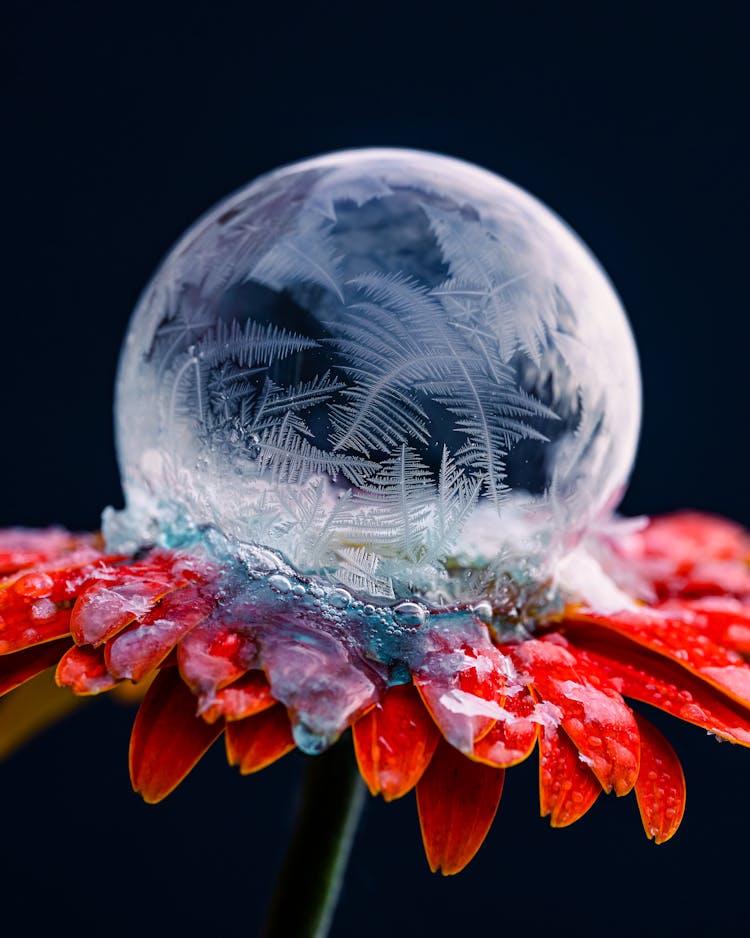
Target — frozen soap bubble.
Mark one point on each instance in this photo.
(388, 369)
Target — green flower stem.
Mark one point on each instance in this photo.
(308, 887)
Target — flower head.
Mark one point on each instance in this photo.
(445, 703)
(373, 415)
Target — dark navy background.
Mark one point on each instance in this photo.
(123, 123)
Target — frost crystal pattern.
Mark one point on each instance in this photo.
(388, 369)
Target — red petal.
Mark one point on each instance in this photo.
(168, 739)
(642, 675)
(717, 577)
(597, 720)
(212, 656)
(679, 640)
(24, 624)
(512, 740)
(119, 596)
(61, 579)
(35, 605)
(689, 554)
(257, 741)
(84, 671)
(567, 787)
(724, 619)
(248, 695)
(20, 667)
(689, 536)
(463, 689)
(394, 742)
(143, 647)
(26, 547)
(660, 788)
(317, 678)
(457, 800)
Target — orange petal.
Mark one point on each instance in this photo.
(84, 671)
(714, 578)
(394, 742)
(59, 580)
(248, 695)
(512, 740)
(168, 739)
(112, 600)
(567, 787)
(36, 624)
(688, 536)
(724, 619)
(295, 652)
(257, 741)
(463, 701)
(597, 719)
(32, 611)
(143, 647)
(20, 667)
(213, 655)
(660, 788)
(35, 604)
(680, 640)
(26, 547)
(642, 675)
(457, 800)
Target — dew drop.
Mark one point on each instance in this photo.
(299, 590)
(34, 584)
(43, 609)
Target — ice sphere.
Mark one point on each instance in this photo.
(388, 369)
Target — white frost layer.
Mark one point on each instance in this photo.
(581, 577)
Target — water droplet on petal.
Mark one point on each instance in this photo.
(483, 612)
(43, 609)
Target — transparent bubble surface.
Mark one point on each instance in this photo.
(387, 370)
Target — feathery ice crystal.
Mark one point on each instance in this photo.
(389, 370)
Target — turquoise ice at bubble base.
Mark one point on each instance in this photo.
(391, 370)
(329, 657)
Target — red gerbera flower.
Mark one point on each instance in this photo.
(373, 415)
(478, 701)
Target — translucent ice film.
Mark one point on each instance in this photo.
(385, 369)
